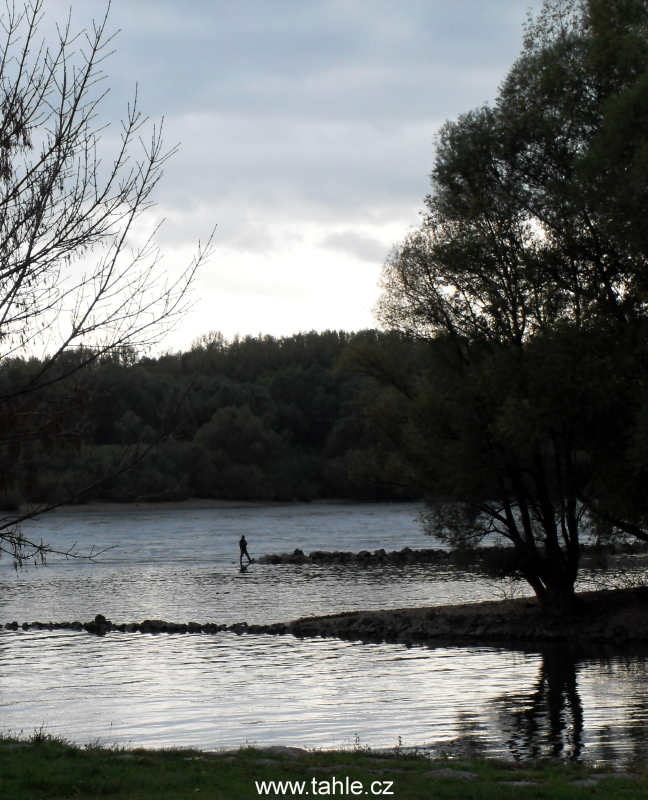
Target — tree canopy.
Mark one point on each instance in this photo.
(527, 280)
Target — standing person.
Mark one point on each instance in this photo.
(244, 552)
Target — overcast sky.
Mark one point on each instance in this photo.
(306, 131)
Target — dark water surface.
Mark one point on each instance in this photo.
(223, 691)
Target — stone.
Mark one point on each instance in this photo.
(333, 768)
(283, 750)
(446, 772)
(95, 628)
(519, 783)
(585, 783)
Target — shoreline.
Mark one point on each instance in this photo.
(606, 617)
(50, 766)
(187, 505)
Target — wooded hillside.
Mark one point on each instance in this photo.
(258, 418)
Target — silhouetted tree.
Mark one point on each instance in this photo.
(528, 280)
(73, 286)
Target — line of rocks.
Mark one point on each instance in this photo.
(604, 617)
(364, 557)
(428, 555)
(100, 626)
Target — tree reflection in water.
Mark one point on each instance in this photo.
(546, 721)
(604, 686)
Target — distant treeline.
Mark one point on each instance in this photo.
(256, 418)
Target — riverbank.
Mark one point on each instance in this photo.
(44, 767)
(183, 505)
(612, 616)
(605, 617)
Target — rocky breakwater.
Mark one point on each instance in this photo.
(363, 558)
(605, 617)
(100, 626)
(488, 559)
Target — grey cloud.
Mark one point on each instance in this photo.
(366, 248)
(299, 115)
(324, 57)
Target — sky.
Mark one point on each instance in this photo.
(306, 132)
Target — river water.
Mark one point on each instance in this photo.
(224, 691)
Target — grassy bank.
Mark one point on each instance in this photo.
(43, 767)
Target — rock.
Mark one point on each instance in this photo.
(100, 619)
(519, 783)
(95, 628)
(384, 771)
(238, 628)
(446, 772)
(333, 768)
(282, 750)
(267, 762)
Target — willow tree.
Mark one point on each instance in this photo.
(528, 278)
(75, 284)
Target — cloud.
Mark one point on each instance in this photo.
(366, 248)
(306, 133)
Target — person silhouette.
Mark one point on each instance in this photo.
(244, 552)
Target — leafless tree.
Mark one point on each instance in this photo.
(74, 286)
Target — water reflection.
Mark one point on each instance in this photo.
(587, 703)
(222, 691)
(547, 720)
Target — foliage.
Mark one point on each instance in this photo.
(260, 419)
(527, 280)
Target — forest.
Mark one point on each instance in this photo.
(255, 418)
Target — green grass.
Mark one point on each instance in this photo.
(46, 767)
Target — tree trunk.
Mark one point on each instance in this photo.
(552, 580)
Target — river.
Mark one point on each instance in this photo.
(224, 691)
